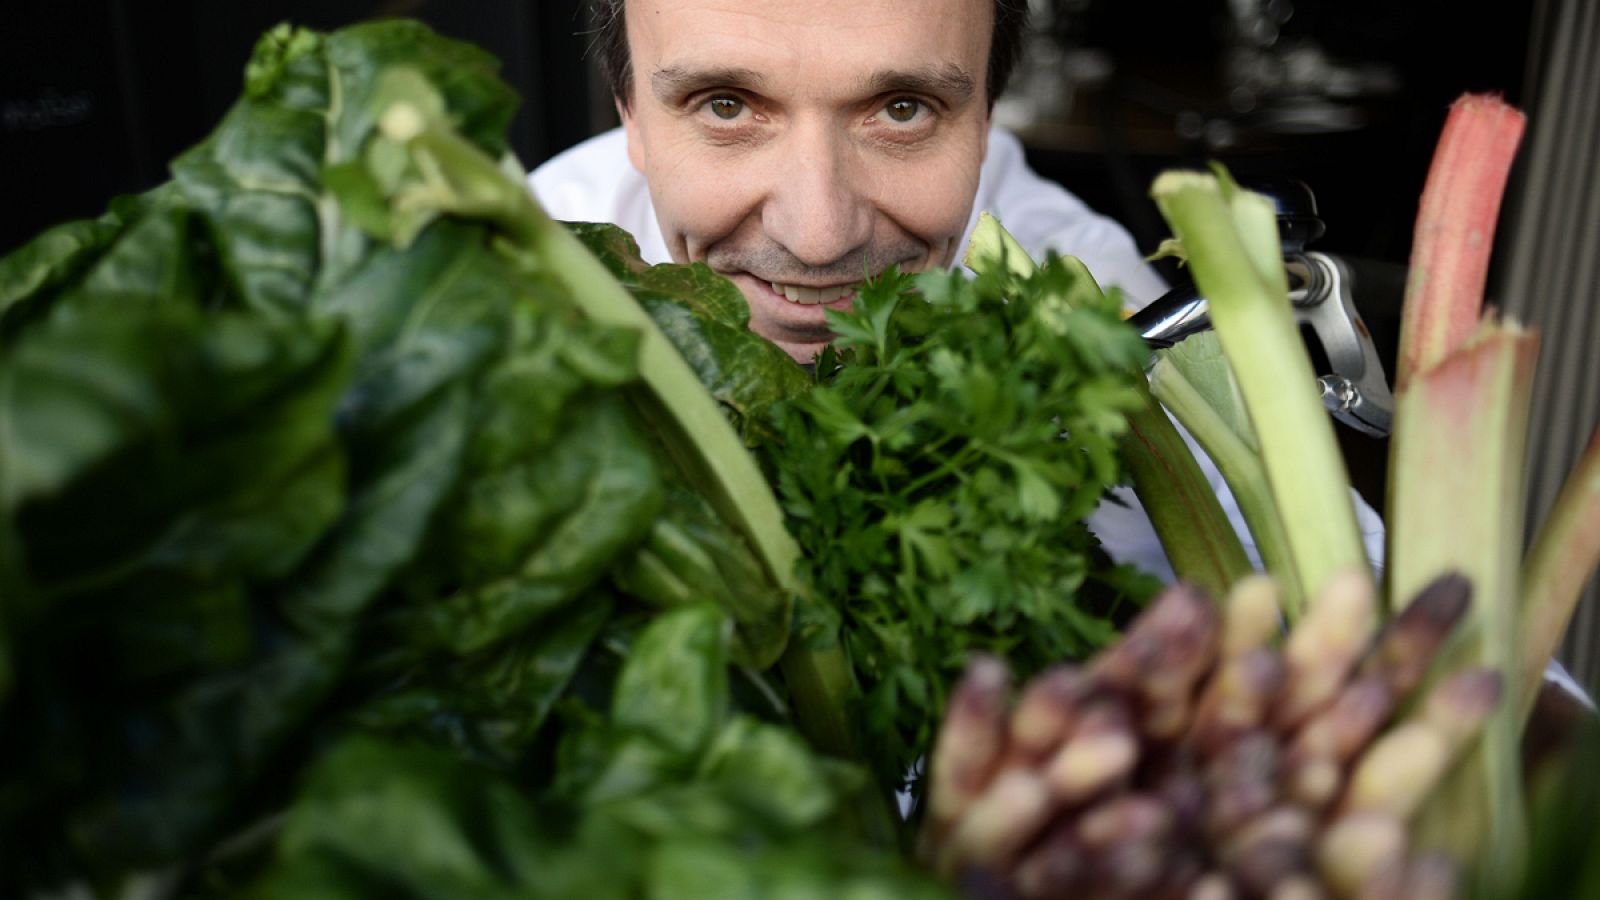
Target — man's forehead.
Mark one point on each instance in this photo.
(861, 43)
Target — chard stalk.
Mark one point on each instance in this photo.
(1456, 504)
(1231, 238)
(1195, 534)
(1563, 557)
(466, 181)
(1455, 230)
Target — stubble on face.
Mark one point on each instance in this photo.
(763, 260)
(809, 185)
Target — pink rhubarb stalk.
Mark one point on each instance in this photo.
(1455, 229)
(1456, 463)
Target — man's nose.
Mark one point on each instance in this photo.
(817, 206)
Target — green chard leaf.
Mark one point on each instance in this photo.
(691, 556)
(32, 276)
(674, 685)
(706, 318)
(358, 474)
(243, 441)
(374, 819)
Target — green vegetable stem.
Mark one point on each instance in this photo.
(1231, 239)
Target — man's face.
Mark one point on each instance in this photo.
(797, 146)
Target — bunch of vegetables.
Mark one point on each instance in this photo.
(1118, 780)
(1194, 758)
(363, 531)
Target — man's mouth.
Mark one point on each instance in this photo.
(811, 296)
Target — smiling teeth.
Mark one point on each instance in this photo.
(810, 296)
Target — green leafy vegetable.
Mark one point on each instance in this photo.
(706, 319)
(729, 807)
(287, 480)
(938, 477)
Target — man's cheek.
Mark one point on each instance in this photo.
(933, 201)
(700, 203)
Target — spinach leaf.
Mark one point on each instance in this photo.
(566, 514)
(492, 707)
(377, 819)
(674, 686)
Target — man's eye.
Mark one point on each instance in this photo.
(903, 110)
(726, 108)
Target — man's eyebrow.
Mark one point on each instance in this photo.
(949, 80)
(671, 82)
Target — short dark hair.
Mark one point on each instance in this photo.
(611, 42)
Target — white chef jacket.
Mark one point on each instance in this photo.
(595, 182)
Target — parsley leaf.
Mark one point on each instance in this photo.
(937, 478)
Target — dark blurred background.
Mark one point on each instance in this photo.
(96, 96)
(1348, 96)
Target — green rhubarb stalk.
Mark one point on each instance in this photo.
(1195, 534)
(1563, 557)
(1238, 459)
(1458, 450)
(1231, 239)
(1455, 231)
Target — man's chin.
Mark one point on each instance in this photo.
(803, 353)
(801, 343)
